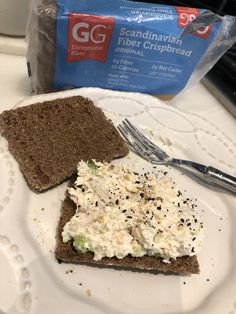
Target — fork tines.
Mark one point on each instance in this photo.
(139, 142)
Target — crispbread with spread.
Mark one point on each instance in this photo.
(65, 252)
(115, 216)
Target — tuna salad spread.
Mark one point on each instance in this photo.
(121, 212)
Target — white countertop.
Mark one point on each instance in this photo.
(12, 45)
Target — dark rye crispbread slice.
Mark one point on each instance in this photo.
(65, 252)
(49, 139)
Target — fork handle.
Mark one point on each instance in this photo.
(211, 174)
(217, 176)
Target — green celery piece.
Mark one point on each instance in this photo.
(157, 255)
(81, 243)
(93, 168)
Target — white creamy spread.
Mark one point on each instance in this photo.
(121, 212)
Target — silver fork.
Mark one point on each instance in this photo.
(146, 149)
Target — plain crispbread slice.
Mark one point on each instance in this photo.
(65, 252)
(49, 139)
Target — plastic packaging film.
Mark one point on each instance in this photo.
(123, 45)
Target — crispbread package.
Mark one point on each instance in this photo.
(122, 45)
(49, 139)
(65, 252)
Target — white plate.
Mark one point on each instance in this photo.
(31, 281)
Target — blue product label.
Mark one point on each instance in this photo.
(123, 45)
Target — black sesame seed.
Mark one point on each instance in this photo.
(141, 195)
(193, 250)
(137, 182)
(127, 197)
(189, 224)
(124, 210)
(96, 204)
(193, 238)
(159, 207)
(117, 202)
(182, 220)
(195, 220)
(130, 217)
(178, 204)
(83, 189)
